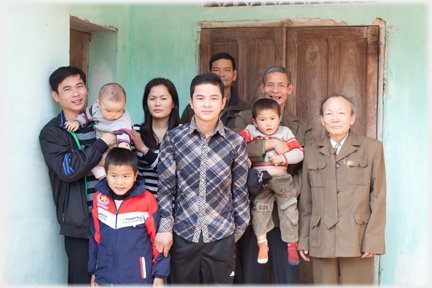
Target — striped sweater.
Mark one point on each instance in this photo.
(147, 165)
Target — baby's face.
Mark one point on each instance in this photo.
(267, 121)
(112, 110)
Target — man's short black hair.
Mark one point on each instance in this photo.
(206, 78)
(219, 56)
(264, 104)
(62, 73)
(121, 157)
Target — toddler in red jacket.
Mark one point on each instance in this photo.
(266, 115)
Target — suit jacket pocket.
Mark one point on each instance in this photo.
(315, 231)
(362, 220)
(317, 173)
(358, 172)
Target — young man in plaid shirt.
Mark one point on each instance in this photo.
(203, 170)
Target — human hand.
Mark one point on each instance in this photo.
(280, 147)
(158, 282)
(138, 143)
(109, 138)
(102, 161)
(93, 283)
(303, 254)
(72, 126)
(368, 255)
(163, 242)
(249, 163)
(275, 159)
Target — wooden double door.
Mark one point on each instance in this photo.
(322, 60)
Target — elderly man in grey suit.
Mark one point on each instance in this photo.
(342, 204)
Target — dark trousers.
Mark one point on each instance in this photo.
(253, 272)
(77, 250)
(207, 263)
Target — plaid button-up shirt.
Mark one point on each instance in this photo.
(205, 178)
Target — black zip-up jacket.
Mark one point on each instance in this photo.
(67, 167)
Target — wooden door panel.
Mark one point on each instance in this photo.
(79, 47)
(353, 80)
(341, 60)
(260, 54)
(313, 79)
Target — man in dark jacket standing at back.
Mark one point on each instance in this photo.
(70, 157)
(224, 66)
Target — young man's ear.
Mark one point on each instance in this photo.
(55, 96)
(190, 102)
(223, 101)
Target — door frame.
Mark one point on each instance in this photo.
(317, 22)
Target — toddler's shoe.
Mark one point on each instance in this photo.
(293, 257)
(263, 252)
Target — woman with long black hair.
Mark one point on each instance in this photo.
(161, 113)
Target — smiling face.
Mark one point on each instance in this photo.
(207, 102)
(224, 69)
(111, 110)
(277, 88)
(72, 96)
(160, 102)
(337, 117)
(267, 121)
(121, 178)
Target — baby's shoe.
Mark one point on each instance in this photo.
(263, 252)
(293, 257)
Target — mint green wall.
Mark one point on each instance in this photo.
(163, 41)
(35, 42)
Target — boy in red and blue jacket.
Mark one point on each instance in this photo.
(125, 219)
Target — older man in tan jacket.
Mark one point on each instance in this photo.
(342, 205)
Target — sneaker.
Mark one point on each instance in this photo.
(263, 253)
(293, 257)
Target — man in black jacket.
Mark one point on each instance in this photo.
(224, 66)
(70, 157)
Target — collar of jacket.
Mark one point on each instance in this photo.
(219, 128)
(234, 101)
(103, 187)
(350, 145)
(61, 120)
